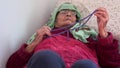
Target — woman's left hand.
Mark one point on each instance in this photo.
(102, 19)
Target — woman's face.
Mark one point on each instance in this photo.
(65, 17)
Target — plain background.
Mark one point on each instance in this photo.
(19, 19)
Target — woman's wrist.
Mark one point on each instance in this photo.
(103, 34)
(30, 47)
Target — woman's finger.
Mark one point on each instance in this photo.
(103, 14)
(99, 17)
(48, 28)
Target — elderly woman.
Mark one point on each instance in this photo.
(71, 49)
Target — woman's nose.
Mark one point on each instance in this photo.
(68, 14)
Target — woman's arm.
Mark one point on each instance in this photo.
(19, 59)
(108, 52)
(107, 47)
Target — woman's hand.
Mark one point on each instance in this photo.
(102, 19)
(45, 30)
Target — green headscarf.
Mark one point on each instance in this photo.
(51, 21)
(81, 34)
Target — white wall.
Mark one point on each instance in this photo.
(18, 21)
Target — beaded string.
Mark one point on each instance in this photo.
(80, 26)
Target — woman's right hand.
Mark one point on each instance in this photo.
(45, 30)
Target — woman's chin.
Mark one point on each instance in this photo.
(70, 23)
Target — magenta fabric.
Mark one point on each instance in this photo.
(70, 49)
(103, 51)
